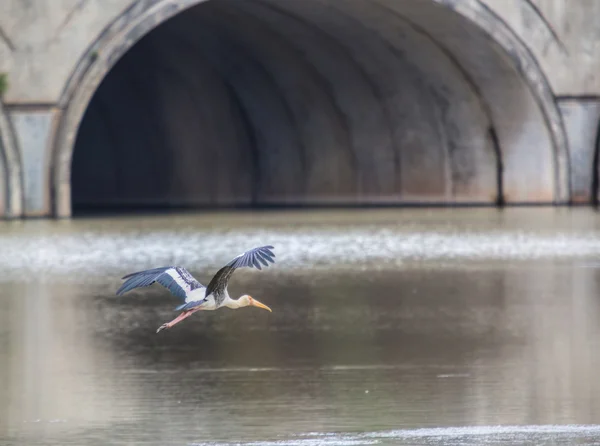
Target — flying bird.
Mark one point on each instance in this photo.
(196, 296)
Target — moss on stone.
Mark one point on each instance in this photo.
(3, 83)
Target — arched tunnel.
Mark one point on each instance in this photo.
(269, 102)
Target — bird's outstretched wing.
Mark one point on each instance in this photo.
(252, 258)
(176, 279)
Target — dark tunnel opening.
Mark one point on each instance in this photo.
(319, 102)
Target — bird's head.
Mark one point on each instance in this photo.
(247, 300)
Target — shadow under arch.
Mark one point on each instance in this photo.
(143, 17)
(11, 200)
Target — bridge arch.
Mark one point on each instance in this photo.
(317, 92)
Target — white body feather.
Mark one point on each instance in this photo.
(198, 294)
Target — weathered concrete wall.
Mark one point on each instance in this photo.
(563, 37)
(41, 42)
(269, 101)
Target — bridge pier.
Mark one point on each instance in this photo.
(34, 129)
(11, 186)
(582, 120)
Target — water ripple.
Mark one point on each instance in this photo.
(467, 435)
(113, 250)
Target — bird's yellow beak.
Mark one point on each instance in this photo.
(258, 304)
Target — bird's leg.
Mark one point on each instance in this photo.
(178, 319)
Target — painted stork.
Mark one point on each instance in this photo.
(196, 296)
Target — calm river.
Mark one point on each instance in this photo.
(389, 327)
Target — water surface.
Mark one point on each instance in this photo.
(426, 327)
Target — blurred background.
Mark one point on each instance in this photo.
(427, 171)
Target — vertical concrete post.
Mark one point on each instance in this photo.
(581, 118)
(34, 129)
(11, 202)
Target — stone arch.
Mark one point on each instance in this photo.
(527, 67)
(11, 190)
(498, 71)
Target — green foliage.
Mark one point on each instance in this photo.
(3, 83)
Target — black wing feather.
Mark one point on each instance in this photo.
(250, 258)
(161, 275)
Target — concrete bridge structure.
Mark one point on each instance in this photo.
(270, 102)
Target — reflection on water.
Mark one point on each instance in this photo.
(402, 327)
